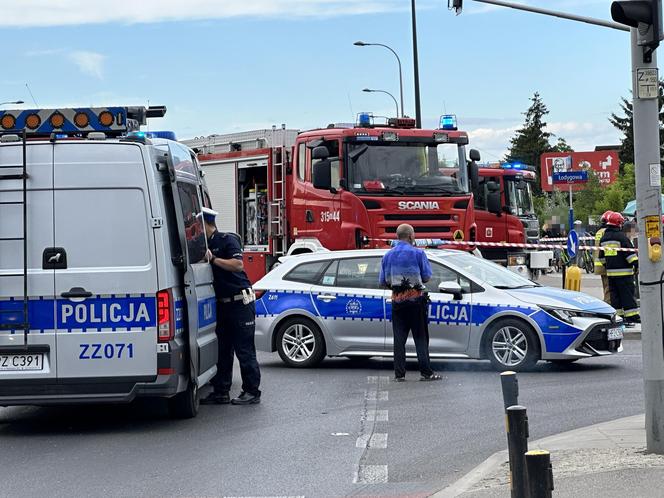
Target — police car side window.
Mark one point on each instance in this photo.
(307, 272)
(193, 222)
(360, 273)
(329, 278)
(441, 273)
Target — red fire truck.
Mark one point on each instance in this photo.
(340, 187)
(504, 213)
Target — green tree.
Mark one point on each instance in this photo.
(532, 139)
(619, 193)
(625, 123)
(585, 200)
(561, 146)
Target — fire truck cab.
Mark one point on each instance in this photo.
(504, 213)
(339, 187)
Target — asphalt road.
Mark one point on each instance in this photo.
(341, 429)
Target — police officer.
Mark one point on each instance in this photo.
(597, 257)
(620, 266)
(404, 270)
(236, 317)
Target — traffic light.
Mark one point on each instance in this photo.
(644, 15)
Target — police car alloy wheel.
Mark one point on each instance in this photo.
(300, 343)
(511, 345)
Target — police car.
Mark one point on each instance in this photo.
(104, 291)
(331, 304)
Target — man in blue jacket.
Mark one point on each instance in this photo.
(404, 270)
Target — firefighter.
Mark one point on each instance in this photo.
(620, 266)
(597, 257)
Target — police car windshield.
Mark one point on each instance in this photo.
(487, 272)
(415, 168)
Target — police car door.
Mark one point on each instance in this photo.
(449, 316)
(351, 304)
(39, 360)
(201, 316)
(106, 283)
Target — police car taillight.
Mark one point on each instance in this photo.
(165, 323)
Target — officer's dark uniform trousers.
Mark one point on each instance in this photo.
(236, 321)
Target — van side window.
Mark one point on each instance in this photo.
(301, 160)
(193, 222)
(183, 161)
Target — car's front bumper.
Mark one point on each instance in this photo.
(592, 341)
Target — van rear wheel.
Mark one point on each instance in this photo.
(185, 404)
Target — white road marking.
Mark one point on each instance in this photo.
(340, 434)
(371, 474)
(376, 396)
(378, 440)
(376, 416)
(375, 379)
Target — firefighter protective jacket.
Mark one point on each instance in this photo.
(617, 263)
(597, 254)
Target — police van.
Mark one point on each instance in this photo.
(105, 294)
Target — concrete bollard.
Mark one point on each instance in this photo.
(539, 474)
(516, 421)
(510, 386)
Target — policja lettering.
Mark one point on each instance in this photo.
(448, 313)
(84, 313)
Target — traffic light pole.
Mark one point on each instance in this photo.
(649, 208)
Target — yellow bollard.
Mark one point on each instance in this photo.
(573, 278)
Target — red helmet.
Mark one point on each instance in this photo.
(615, 219)
(605, 216)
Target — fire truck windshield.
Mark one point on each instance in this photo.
(519, 197)
(406, 168)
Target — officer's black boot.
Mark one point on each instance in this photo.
(216, 398)
(246, 398)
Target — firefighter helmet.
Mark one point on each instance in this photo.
(615, 219)
(605, 216)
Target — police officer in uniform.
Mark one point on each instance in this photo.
(236, 317)
(620, 266)
(597, 257)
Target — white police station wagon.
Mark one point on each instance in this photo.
(331, 304)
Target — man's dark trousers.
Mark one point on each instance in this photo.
(406, 317)
(236, 324)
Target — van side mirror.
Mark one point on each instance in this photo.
(474, 155)
(322, 174)
(493, 203)
(451, 288)
(320, 152)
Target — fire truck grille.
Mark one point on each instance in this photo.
(417, 217)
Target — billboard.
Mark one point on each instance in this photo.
(604, 163)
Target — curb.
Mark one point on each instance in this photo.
(467, 482)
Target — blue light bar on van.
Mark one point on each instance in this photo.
(448, 122)
(168, 135)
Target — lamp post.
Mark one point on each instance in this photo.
(12, 102)
(369, 90)
(416, 68)
(364, 44)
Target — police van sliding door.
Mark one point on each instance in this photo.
(106, 303)
(39, 360)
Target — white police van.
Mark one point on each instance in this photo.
(105, 294)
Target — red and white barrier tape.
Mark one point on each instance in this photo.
(563, 239)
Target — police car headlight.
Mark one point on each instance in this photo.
(567, 315)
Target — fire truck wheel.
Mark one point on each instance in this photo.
(512, 345)
(186, 403)
(300, 343)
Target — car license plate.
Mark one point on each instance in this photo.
(17, 362)
(615, 333)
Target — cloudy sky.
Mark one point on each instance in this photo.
(234, 65)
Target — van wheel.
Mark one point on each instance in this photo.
(185, 404)
(300, 343)
(512, 345)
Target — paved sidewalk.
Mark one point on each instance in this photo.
(606, 460)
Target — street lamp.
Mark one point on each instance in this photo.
(364, 44)
(369, 90)
(12, 102)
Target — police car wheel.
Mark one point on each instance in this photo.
(186, 403)
(300, 343)
(512, 345)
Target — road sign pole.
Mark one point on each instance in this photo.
(571, 218)
(649, 200)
